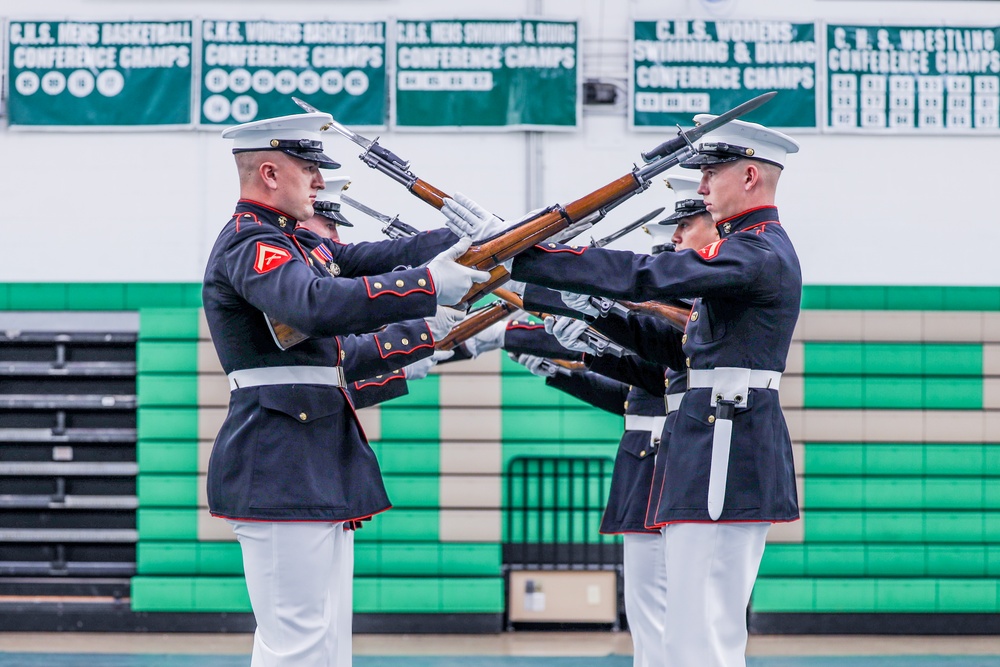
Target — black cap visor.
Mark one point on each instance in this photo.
(680, 215)
(330, 211)
(700, 159)
(319, 157)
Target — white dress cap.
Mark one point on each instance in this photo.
(328, 202)
(689, 202)
(739, 139)
(298, 135)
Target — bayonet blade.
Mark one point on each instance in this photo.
(308, 108)
(364, 142)
(353, 203)
(614, 236)
(698, 131)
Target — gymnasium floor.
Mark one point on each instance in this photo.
(521, 649)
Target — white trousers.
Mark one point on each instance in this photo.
(711, 569)
(299, 575)
(645, 597)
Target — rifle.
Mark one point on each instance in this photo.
(286, 336)
(675, 315)
(590, 336)
(627, 229)
(562, 367)
(394, 227)
(477, 321)
(490, 253)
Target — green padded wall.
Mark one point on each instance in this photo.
(892, 396)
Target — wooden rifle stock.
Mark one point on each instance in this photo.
(570, 365)
(676, 316)
(475, 323)
(284, 335)
(487, 255)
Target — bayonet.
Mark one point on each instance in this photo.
(614, 236)
(394, 227)
(490, 254)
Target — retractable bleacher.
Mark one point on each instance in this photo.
(67, 459)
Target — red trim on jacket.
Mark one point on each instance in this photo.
(269, 208)
(401, 350)
(395, 375)
(429, 289)
(251, 214)
(749, 210)
(572, 251)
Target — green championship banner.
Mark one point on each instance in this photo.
(252, 69)
(519, 74)
(685, 67)
(922, 80)
(99, 74)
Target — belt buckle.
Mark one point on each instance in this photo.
(340, 376)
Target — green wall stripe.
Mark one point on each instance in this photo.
(901, 393)
(900, 297)
(897, 459)
(893, 359)
(881, 560)
(133, 296)
(945, 526)
(876, 595)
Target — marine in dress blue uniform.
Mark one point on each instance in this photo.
(291, 467)
(731, 473)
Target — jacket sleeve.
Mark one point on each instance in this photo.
(358, 259)
(527, 338)
(630, 370)
(650, 337)
(727, 268)
(269, 270)
(365, 356)
(544, 300)
(379, 389)
(599, 391)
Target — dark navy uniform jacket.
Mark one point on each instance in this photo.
(297, 452)
(610, 389)
(379, 389)
(523, 337)
(676, 383)
(748, 286)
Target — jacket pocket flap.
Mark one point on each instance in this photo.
(637, 443)
(302, 403)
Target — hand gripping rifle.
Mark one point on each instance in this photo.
(676, 314)
(562, 367)
(286, 336)
(490, 253)
(477, 321)
(589, 336)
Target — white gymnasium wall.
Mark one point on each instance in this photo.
(146, 206)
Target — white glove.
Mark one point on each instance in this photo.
(451, 279)
(467, 218)
(418, 370)
(579, 302)
(536, 365)
(567, 331)
(442, 355)
(516, 286)
(443, 321)
(490, 338)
